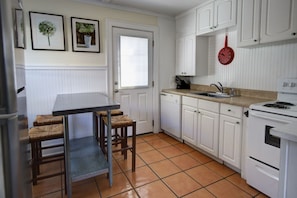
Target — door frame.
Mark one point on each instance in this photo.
(110, 23)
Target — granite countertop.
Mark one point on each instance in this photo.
(242, 101)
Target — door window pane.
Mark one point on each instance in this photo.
(133, 67)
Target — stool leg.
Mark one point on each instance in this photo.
(34, 165)
(96, 128)
(133, 146)
(125, 142)
(38, 147)
(102, 134)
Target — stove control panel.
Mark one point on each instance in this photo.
(287, 85)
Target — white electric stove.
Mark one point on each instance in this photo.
(263, 149)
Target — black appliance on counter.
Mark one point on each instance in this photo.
(182, 82)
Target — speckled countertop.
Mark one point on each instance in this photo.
(243, 101)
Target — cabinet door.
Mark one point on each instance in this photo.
(230, 140)
(186, 55)
(180, 56)
(224, 14)
(208, 129)
(278, 20)
(190, 55)
(248, 31)
(189, 124)
(204, 19)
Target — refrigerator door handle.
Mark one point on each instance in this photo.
(7, 116)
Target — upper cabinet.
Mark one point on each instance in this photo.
(186, 55)
(278, 20)
(215, 15)
(264, 21)
(190, 50)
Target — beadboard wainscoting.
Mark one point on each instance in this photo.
(45, 82)
(256, 67)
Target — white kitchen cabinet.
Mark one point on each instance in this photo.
(264, 21)
(171, 114)
(186, 55)
(191, 56)
(208, 127)
(278, 20)
(230, 134)
(189, 119)
(248, 22)
(215, 15)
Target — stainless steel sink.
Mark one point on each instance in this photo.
(213, 94)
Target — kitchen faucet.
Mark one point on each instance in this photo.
(219, 86)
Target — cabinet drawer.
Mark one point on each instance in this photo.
(209, 105)
(231, 110)
(193, 102)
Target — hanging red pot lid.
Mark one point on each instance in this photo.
(226, 54)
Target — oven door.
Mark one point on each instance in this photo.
(261, 145)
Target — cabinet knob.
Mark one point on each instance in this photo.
(237, 122)
(294, 34)
(255, 40)
(229, 110)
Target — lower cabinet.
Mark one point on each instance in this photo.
(189, 119)
(213, 127)
(208, 127)
(230, 134)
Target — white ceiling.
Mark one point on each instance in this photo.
(162, 7)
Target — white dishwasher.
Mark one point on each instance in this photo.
(171, 114)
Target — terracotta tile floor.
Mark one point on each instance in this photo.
(165, 167)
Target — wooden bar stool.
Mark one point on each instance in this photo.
(46, 119)
(123, 122)
(37, 135)
(100, 132)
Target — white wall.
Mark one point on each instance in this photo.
(167, 53)
(256, 67)
(50, 73)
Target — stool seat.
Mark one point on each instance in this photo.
(119, 121)
(41, 120)
(46, 132)
(112, 112)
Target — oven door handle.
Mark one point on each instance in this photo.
(260, 169)
(267, 117)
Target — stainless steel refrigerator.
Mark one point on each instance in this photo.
(15, 174)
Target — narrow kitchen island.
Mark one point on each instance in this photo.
(83, 157)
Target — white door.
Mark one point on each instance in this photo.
(132, 80)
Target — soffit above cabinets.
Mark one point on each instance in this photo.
(160, 7)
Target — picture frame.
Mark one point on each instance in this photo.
(47, 31)
(19, 29)
(85, 35)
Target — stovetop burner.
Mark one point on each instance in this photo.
(277, 106)
(284, 103)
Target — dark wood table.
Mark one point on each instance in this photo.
(83, 156)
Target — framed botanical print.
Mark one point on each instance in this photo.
(47, 31)
(85, 35)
